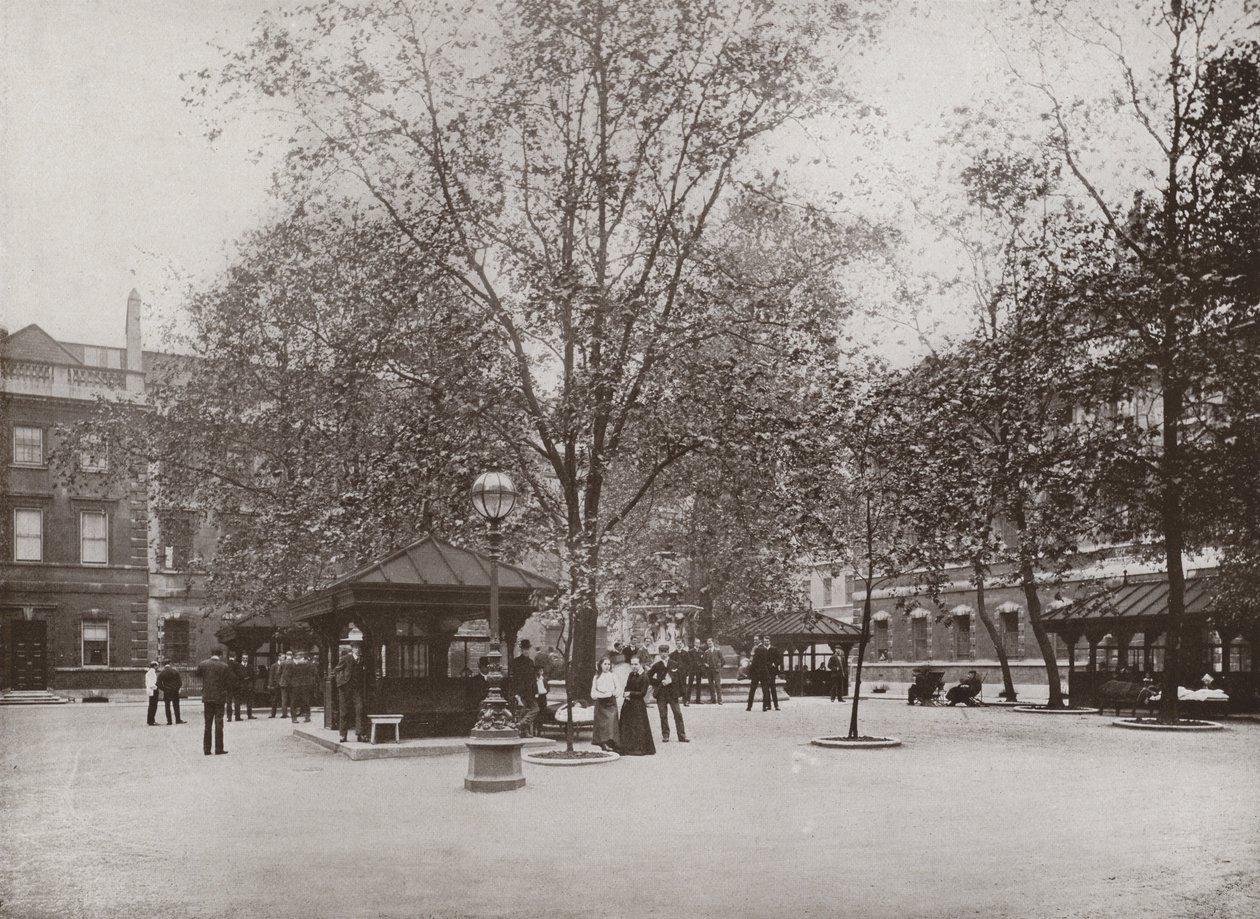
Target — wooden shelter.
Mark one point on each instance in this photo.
(799, 633)
(409, 607)
(1127, 624)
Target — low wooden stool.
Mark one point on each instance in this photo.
(395, 720)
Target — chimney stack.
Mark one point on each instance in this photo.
(135, 358)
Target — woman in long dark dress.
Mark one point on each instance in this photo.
(636, 730)
(605, 733)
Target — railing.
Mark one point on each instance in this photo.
(27, 370)
(98, 376)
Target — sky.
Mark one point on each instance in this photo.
(108, 181)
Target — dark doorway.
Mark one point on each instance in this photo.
(30, 651)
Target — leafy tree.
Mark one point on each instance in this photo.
(1177, 271)
(332, 406)
(563, 167)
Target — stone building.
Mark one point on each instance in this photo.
(93, 583)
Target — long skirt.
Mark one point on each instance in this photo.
(606, 728)
(636, 730)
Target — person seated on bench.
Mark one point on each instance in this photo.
(966, 691)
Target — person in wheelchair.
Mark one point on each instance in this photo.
(966, 691)
(927, 686)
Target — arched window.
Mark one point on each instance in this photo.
(961, 617)
(1008, 624)
(1107, 653)
(880, 635)
(920, 649)
(1240, 656)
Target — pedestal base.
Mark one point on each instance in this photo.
(494, 762)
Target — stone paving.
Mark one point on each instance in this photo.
(986, 813)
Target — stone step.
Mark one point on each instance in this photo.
(31, 698)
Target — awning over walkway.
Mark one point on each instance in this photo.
(803, 627)
(1131, 604)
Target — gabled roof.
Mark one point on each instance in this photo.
(434, 563)
(793, 626)
(31, 343)
(1142, 600)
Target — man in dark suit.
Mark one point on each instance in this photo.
(683, 658)
(273, 684)
(835, 668)
(774, 666)
(524, 693)
(285, 681)
(237, 689)
(758, 669)
(297, 686)
(695, 674)
(666, 679)
(169, 683)
(349, 679)
(713, 663)
(216, 680)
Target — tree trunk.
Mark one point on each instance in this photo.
(1008, 684)
(1174, 539)
(581, 670)
(865, 635)
(1028, 582)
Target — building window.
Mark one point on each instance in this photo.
(882, 643)
(919, 638)
(92, 458)
(175, 641)
(28, 535)
(94, 537)
(1010, 633)
(95, 643)
(1240, 655)
(175, 537)
(962, 637)
(826, 591)
(28, 445)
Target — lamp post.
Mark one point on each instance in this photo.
(494, 747)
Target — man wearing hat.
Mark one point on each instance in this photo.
(349, 680)
(151, 690)
(169, 683)
(666, 679)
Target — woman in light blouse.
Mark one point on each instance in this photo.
(606, 733)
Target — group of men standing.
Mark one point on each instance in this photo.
(764, 666)
(700, 665)
(165, 684)
(292, 681)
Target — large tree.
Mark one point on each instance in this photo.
(331, 403)
(1178, 270)
(564, 166)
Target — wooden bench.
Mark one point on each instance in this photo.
(394, 721)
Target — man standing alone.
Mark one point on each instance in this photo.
(349, 679)
(835, 667)
(273, 684)
(285, 681)
(216, 680)
(758, 671)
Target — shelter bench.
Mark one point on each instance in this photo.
(388, 720)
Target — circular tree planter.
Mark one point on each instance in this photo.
(566, 758)
(1185, 724)
(856, 743)
(1043, 710)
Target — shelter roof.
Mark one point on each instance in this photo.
(1144, 600)
(434, 563)
(805, 626)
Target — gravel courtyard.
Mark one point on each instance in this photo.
(981, 813)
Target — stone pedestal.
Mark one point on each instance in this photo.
(494, 761)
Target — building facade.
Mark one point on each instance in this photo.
(93, 582)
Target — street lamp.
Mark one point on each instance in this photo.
(494, 747)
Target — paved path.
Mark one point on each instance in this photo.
(983, 813)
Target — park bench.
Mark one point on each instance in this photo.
(1118, 694)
